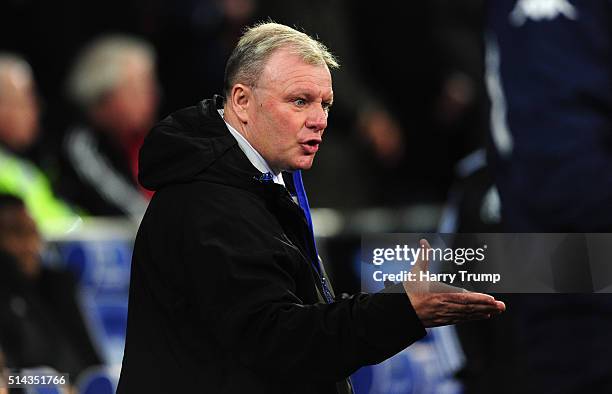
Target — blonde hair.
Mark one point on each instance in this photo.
(98, 69)
(260, 41)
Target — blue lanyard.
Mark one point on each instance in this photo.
(303, 202)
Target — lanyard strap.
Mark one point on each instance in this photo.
(303, 202)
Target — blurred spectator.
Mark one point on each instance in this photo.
(113, 83)
(40, 321)
(460, 103)
(19, 103)
(19, 127)
(551, 121)
(549, 76)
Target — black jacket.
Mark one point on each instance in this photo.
(95, 175)
(223, 298)
(40, 321)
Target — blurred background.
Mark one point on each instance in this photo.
(406, 149)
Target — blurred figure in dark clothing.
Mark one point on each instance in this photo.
(40, 321)
(114, 84)
(429, 57)
(549, 77)
(460, 105)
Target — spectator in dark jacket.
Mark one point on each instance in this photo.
(40, 321)
(113, 83)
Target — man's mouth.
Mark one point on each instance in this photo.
(311, 146)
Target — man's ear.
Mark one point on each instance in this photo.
(240, 99)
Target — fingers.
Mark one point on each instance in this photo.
(457, 319)
(472, 317)
(442, 309)
(476, 302)
(457, 313)
(438, 303)
(465, 310)
(469, 298)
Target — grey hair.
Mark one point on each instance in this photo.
(10, 62)
(260, 41)
(97, 70)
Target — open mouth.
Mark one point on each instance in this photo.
(311, 146)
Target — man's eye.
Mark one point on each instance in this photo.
(326, 106)
(300, 102)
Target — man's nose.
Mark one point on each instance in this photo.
(317, 120)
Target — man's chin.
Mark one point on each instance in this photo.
(304, 164)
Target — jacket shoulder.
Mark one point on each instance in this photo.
(211, 200)
(195, 117)
(183, 119)
(207, 211)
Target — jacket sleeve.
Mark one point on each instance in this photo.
(247, 292)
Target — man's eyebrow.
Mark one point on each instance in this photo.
(309, 94)
(300, 92)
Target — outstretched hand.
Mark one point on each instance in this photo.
(439, 304)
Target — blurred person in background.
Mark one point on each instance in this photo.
(549, 74)
(113, 82)
(19, 128)
(40, 320)
(434, 88)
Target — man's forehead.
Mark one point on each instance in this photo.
(284, 66)
(309, 89)
(16, 77)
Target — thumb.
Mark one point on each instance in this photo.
(422, 262)
(421, 265)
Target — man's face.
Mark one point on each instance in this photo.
(132, 106)
(20, 238)
(18, 109)
(288, 112)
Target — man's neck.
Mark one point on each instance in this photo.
(242, 137)
(230, 118)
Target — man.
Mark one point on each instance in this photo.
(227, 294)
(19, 128)
(114, 85)
(549, 79)
(40, 319)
